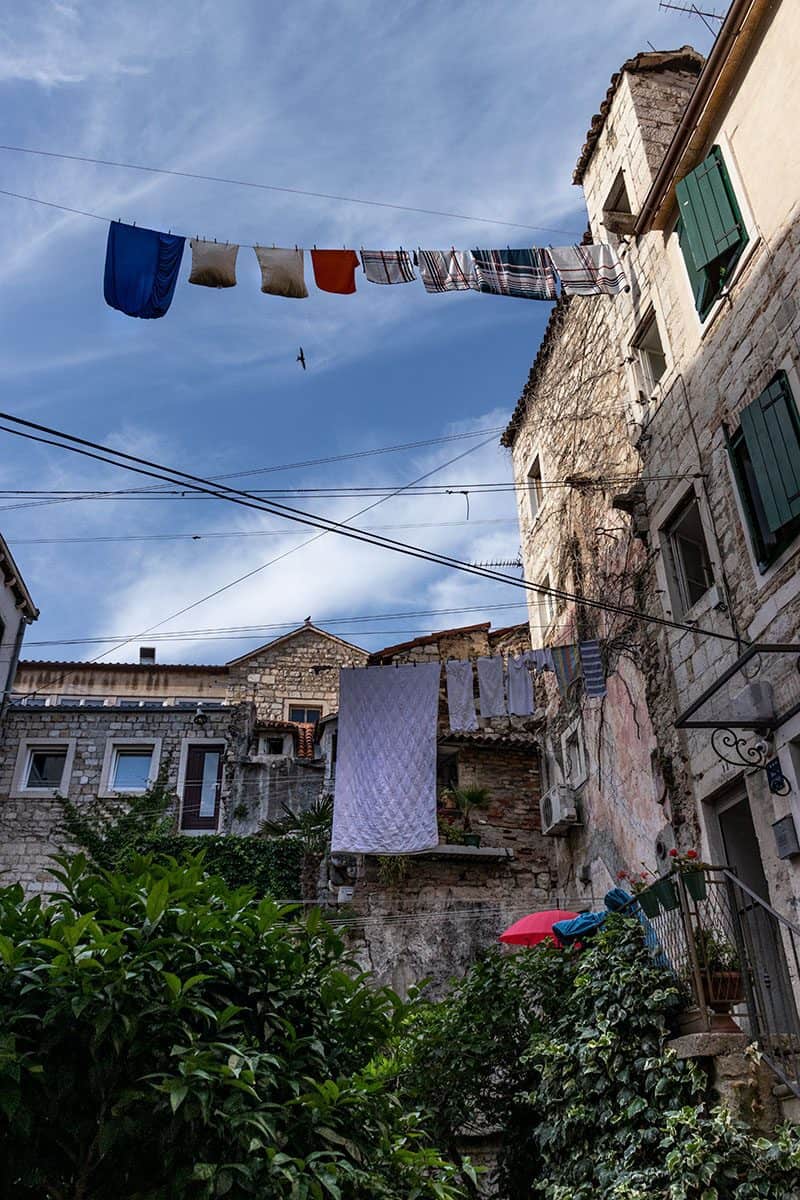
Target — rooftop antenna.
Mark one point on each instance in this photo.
(693, 11)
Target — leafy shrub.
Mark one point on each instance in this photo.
(563, 1052)
(165, 1037)
(114, 832)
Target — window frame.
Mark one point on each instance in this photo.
(677, 582)
(316, 705)
(647, 384)
(534, 488)
(573, 734)
(266, 738)
(107, 790)
(27, 748)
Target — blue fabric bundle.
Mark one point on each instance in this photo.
(142, 268)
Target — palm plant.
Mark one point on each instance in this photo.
(468, 799)
(312, 826)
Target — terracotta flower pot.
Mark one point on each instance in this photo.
(722, 989)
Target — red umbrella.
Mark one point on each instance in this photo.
(536, 927)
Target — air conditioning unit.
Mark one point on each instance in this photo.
(559, 812)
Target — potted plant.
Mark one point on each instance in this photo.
(449, 834)
(664, 888)
(720, 969)
(468, 799)
(693, 871)
(640, 885)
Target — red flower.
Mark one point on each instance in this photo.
(673, 853)
(622, 874)
(691, 854)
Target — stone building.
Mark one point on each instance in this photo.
(428, 915)
(657, 451)
(234, 742)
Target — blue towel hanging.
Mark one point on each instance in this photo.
(142, 268)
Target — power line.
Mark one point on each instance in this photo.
(147, 467)
(267, 187)
(277, 558)
(241, 533)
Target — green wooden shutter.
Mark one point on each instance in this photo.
(772, 437)
(708, 209)
(698, 280)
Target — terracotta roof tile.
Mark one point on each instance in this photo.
(390, 651)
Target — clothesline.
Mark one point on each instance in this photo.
(142, 268)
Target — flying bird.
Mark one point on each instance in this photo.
(301, 358)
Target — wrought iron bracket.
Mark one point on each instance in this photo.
(739, 751)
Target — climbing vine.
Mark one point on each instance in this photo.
(564, 1053)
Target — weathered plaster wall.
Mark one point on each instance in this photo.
(121, 679)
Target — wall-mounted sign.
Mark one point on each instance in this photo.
(786, 843)
(778, 783)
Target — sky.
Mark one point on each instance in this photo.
(462, 107)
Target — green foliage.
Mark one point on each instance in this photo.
(469, 798)
(113, 833)
(563, 1051)
(271, 868)
(164, 1037)
(311, 827)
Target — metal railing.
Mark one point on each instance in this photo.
(737, 961)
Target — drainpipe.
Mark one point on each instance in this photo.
(712, 70)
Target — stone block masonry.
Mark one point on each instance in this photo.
(30, 830)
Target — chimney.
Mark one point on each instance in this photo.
(147, 656)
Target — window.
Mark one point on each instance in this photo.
(617, 215)
(46, 767)
(574, 756)
(43, 768)
(446, 770)
(535, 493)
(134, 702)
(273, 745)
(765, 455)
(131, 771)
(547, 608)
(202, 785)
(687, 554)
(649, 356)
(710, 229)
(304, 715)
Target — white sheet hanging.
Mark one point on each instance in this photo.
(461, 695)
(385, 797)
(490, 687)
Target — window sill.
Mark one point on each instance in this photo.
(37, 793)
(447, 850)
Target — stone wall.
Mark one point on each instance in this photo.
(300, 668)
(430, 915)
(30, 825)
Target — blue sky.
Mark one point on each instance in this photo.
(463, 107)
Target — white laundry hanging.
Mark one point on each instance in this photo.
(491, 688)
(385, 797)
(461, 695)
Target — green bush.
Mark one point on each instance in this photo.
(270, 867)
(165, 1037)
(115, 832)
(563, 1052)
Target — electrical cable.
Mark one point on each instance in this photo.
(277, 558)
(147, 467)
(240, 533)
(267, 187)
